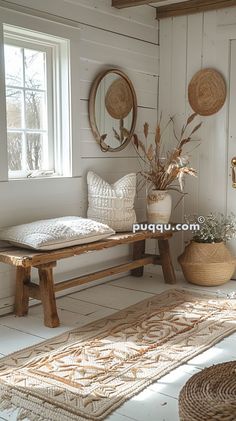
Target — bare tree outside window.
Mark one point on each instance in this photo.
(26, 96)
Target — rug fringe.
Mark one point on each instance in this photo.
(32, 408)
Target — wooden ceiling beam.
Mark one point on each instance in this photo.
(191, 7)
(121, 4)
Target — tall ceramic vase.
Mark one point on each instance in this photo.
(159, 204)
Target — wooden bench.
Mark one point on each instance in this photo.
(24, 260)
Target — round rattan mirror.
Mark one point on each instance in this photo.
(112, 110)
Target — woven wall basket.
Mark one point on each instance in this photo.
(207, 92)
(119, 99)
(210, 395)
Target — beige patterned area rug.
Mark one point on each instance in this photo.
(87, 373)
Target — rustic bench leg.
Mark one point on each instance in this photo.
(166, 262)
(138, 252)
(22, 291)
(46, 283)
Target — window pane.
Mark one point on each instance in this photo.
(29, 82)
(34, 151)
(14, 108)
(13, 65)
(35, 62)
(35, 105)
(14, 151)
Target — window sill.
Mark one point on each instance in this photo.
(41, 178)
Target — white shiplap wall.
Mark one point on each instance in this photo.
(187, 44)
(108, 37)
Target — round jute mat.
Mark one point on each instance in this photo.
(210, 395)
(207, 92)
(119, 99)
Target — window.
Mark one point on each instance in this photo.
(34, 85)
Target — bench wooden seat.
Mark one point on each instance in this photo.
(25, 259)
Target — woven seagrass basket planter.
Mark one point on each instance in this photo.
(210, 395)
(207, 264)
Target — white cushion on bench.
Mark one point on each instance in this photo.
(57, 233)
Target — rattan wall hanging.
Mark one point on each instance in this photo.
(119, 100)
(207, 92)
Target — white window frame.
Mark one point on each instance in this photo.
(12, 38)
(66, 43)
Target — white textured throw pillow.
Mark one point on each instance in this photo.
(57, 233)
(112, 204)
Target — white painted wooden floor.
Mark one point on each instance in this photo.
(158, 402)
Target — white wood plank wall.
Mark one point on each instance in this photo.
(127, 39)
(187, 44)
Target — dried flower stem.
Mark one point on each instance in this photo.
(162, 174)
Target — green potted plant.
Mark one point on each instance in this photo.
(207, 260)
